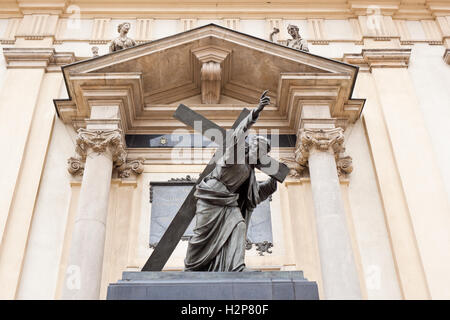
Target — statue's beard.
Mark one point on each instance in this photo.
(253, 158)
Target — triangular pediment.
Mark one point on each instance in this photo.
(152, 78)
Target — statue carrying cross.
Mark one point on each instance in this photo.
(224, 196)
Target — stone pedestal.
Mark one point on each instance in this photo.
(271, 285)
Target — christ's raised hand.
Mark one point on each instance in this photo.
(263, 101)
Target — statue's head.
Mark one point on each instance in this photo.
(125, 27)
(258, 146)
(294, 31)
(94, 51)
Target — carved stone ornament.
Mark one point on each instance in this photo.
(344, 165)
(322, 140)
(75, 166)
(211, 82)
(213, 63)
(296, 169)
(264, 246)
(99, 141)
(130, 167)
(248, 244)
(261, 247)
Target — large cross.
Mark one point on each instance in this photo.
(187, 210)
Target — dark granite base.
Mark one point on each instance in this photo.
(271, 285)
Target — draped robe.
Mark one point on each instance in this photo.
(225, 201)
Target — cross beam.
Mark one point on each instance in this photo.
(186, 213)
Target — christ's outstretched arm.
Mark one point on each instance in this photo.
(242, 130)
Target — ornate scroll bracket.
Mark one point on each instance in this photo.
(129, 167)
(321, 140)
(75, 166)
(214, 67)
(344, 165)
(211, 82)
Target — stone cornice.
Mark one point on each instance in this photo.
(356, 59)
(251, 9)
(387, 58)
(45, 58)
(379, 58)
(303, 79)
(230, 9)
(47, 6)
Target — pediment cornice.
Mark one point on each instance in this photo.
(149, 80)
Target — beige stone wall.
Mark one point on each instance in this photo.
(396, 199)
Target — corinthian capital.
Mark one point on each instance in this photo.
(319, 139)
(322, 140)
(99, 141)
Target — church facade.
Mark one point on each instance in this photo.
(95, 165)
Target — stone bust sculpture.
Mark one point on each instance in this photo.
(122, 41)
(297, 42)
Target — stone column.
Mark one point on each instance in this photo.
(101, 149)
(25, 139)
(319, 148)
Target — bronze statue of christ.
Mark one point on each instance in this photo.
(225, 201)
